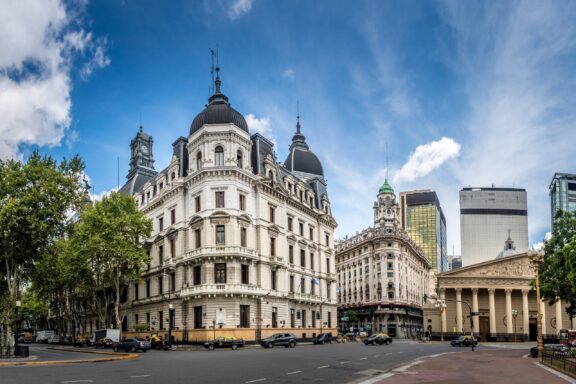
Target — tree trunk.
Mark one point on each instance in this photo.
(117, 304)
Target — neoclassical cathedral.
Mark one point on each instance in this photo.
(383, 276)
(240, 243)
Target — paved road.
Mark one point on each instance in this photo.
(336, 363)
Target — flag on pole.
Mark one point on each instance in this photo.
(314, 281)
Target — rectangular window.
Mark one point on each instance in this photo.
(313, 319)
(147, 288)
(220, 273)
(148, 319)
(301, 229)
(274, 317)
(161, 255)
(328, 290)
(302, 285)
(220, 238)
(245, 274)
(197, 275)
(160, 285)
(311, 233)
(303, 318)
(302, 258)
(173, 216)
(242, 202)
(290, 220)
(244, 316)
(272, 246)
(172, 248)
(272, 214)
(136, 293)
(198, 317)
(219, 199)
(197, 205)
(291, 283)
(327, 265)
(160, 224)
(291, 254)
(312, 287)
(197, 238)
(172, 281)
(329, 319)
(243, 237)
(311, 261)
(292, 319)
(273, 278)
(327, 239)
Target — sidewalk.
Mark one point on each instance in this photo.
(56, 355)
(479, 367)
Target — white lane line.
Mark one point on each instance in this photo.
(254, 381)
(293, 373)
(139, 376)
(363, 358)
(376, 355)
(77, 381)
(344, 362)
(389, 353)
(323, 366)
(400, 353)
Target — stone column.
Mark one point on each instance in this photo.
(543, 310)
(509, 318)
(459, 325)
(443, 312)
(558, 316)
(491, 292)
(525, 312)
(475, 309)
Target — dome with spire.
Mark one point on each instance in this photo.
(218, 111)
(300, 157)
(509, 248)
(386, 188)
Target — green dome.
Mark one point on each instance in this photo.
(386, 188)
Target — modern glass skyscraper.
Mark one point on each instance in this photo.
(423, 219)
(562, 193)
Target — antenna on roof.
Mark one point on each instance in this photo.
(297, 116)
(386, 177)
(212, 55)
(140, 121)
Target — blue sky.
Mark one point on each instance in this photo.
(458, 93)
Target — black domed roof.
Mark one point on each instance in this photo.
(218, 111)
(301, 158)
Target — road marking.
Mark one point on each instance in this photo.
(376, 355)
(77, 381)
(344, 362)
(322, 367)
(136, 377)
(389, 353)
(400, 352)
(254, 381)
(363, 358)
(293, 373)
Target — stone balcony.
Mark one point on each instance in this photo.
(227, 290)
(219, 251)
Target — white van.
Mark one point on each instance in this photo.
(43, 336)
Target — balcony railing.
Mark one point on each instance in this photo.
(234, 289)
(231, 250)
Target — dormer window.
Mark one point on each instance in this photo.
(173, 176)
(219, 156)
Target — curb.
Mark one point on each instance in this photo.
(112, 357)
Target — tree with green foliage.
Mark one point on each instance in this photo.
(558, 270)
(36, 198)
(352, 316)
(108, 238)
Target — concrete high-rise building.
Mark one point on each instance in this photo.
(562, 193)
(422, 218)
(488, 216)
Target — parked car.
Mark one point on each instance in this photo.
(282, 339)
(224, 342)
(323, 338)
(378, 338)
(54, 339)
(132, 345)
(104, 343)
(464, 341)
(43, 336)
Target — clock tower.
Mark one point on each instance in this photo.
(386, 208)
(141, 160)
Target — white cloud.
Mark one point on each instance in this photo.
(39, 42)
(261, 125)
(426, 158)
(239, 8)
(289, 73)
(101, 195)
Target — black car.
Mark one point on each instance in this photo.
(378, 338)
(224, 342)
(464, 341)
(132, 345)
(323, 338)
(283, 339)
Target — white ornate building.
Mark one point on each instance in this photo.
(382, 274)
(240, 242)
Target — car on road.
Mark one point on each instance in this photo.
(224, 342)
(464, 341)
(324, 338)
(378, 338)
(131, 345)
(287, 340)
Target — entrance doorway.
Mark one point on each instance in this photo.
(533, 328)
(484, 325)
(391, 330)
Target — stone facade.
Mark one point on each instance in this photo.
(382, 274)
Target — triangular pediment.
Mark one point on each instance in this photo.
(511, 266)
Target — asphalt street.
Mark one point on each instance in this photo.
(335, 363)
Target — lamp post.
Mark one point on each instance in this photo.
(514, 316)
(536, 258)
(441, 306)
(442, 303)
(16, 334)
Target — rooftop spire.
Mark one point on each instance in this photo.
(218, 96)
(298, 140)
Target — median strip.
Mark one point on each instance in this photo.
(110, 356)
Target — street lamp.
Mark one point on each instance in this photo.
(16, 335)
(441, 306)
(514, 316)
(536, 258)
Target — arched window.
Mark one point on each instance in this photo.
(173, 176)
(219, 156)
(239, 159)
(199, 161)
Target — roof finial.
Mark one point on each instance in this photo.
(297, 117)
(140, 121)
(216, 82)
